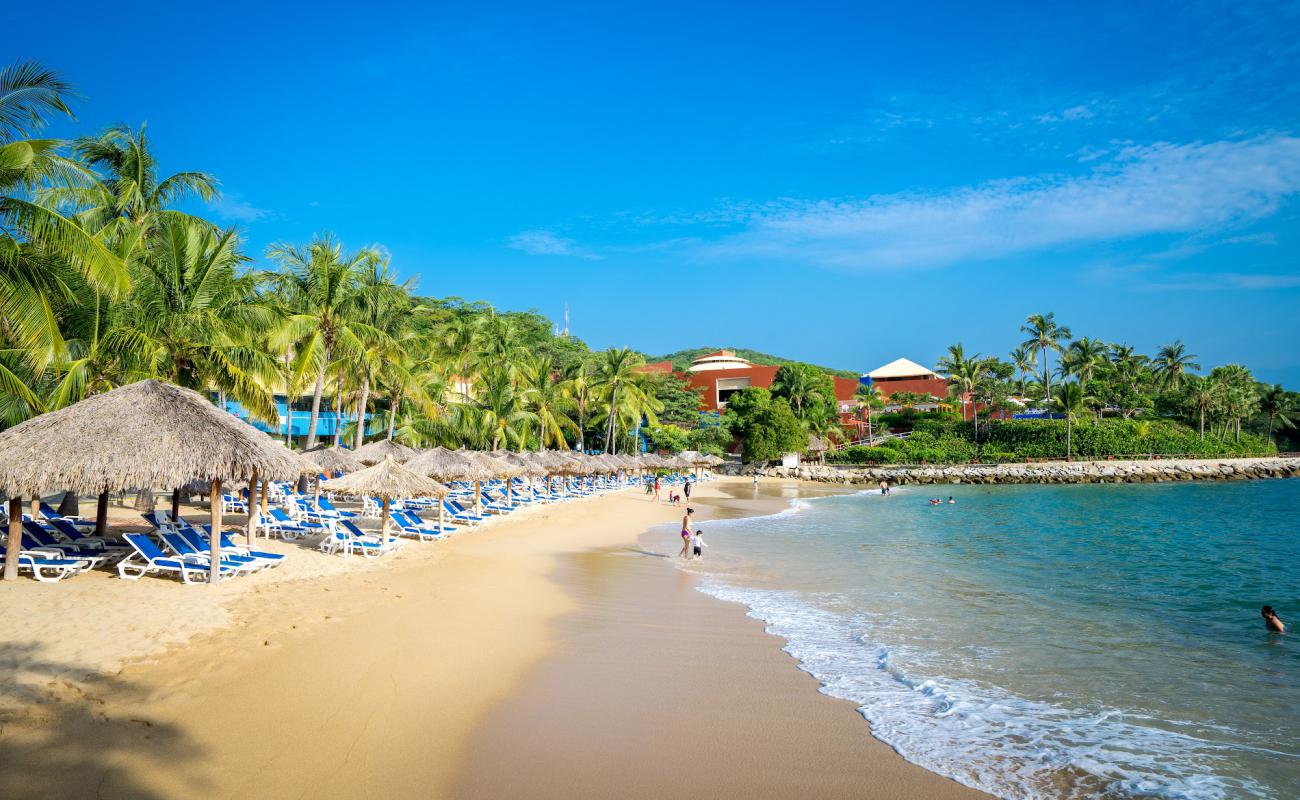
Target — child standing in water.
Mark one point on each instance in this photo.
(698, 545)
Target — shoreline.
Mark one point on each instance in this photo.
(1056, 472)
(355, 677)
(662, 690)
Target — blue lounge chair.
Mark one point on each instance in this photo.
(36, 538)
(44, 568)
(91, 542)
(186, 550)
(229, 545)
(410, 526)
(50, 515)
(280, 522)
(148, 558)
(457, 512)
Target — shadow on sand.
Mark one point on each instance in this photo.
(60, 738)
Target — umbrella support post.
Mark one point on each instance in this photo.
(214, 539)
(250, 532)
(15, 540)
(101, 514)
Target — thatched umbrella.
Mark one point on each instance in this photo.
(376, 451)
(445, 466)
(388, 481)
(334, 459)
(499, 467)
(146, 434)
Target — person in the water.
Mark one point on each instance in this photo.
(951, 502)
(1272, 621)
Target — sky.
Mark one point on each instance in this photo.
(838, 183)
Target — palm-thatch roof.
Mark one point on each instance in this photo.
(387, 479)
(333, 459)
(817, 444)
(497, 467)
(527, 465)
(146, 435)
(445, 465)
(376, 451)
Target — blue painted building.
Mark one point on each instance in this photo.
(326, 424)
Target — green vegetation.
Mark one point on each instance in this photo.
(683, 358)
(104, 281)
(1107, 400)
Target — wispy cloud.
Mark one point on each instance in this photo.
(1138, 191)
(1150, 277)
(548, 243)
(234, 208)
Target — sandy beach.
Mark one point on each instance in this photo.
(541, 655)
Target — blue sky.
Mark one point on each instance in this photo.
(842, 183)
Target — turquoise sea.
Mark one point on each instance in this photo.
(1045, 641)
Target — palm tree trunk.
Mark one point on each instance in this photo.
(1047, 384)
(361, 411)
(613, 411)
(1068, 436)
(315, 406)
(1202, 423)
(15, 535)
(392, 414)
(338, 410)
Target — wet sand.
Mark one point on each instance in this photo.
(655, 690)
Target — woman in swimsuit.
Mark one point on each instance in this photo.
(686, 534)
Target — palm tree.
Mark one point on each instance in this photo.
(193, 320)
(39, 245)
(579, 384)
(1044, 334)
(1070, 401)
(614, 372)
(1203, 394)
(1023, 358)
(1082, 357)
(963, 373)
(1276, 403)
(803, 387)
(870, 399)
(500, 416)
(382, 305)
(1172, 363)
(131, 200)
(547, 399)
(320, 286)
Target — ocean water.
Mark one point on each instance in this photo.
(1046, 641)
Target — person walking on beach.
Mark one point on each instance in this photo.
(686, 489)
(755, 480)
(697, 545)
(686, 534)
(884, 487)
(656, 487)
(1272, 621)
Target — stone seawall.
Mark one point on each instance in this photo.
(1053, 472)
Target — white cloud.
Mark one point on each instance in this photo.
(547, 243)
(1138, 191)
(233, 207)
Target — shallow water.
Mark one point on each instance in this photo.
(1046, 641)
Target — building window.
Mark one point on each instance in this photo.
(726, 387)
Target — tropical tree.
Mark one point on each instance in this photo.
(1070, 401)
(1023, 358)
(382, 305)
(1203, 394)
(806, 387)
(1044, 334)
(40, 247)
(963, 373)
(1172, 364)
(548, 400)
(1276, 403)
(319, 284)
(579, 384)
(194, 320)
(615, 370)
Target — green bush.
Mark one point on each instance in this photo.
(948, 441)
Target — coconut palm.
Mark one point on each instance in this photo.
(1023, 358)
(1172, 363)
(804, 387)
(963, 373)
(39, 245)
(320, 285)
(1278, 405)
(500, 419)
(382, 304)
(548, 399)
(1070, 401)
(126, 201)
(1044, 334)
(194, 321)
(615, 371)
(579, 384)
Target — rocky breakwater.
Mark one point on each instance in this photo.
(1156, 471)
